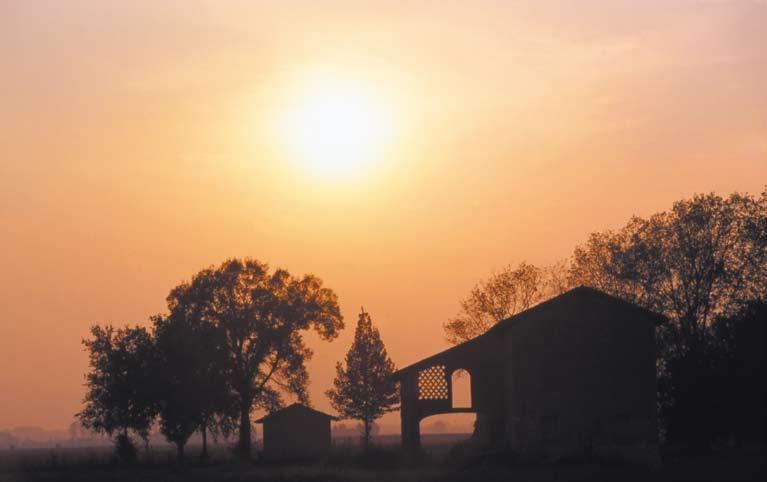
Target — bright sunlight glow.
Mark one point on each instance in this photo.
(336, 128)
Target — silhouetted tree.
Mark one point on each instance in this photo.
(702, 259)
(505, 294)
(696, 396)
(364, 388)
(717, 391)
(190, 377)
(119, 385)
(741, 342)
(261, 317)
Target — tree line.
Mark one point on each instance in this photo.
(231, 342)
(703, 264)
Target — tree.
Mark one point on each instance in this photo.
(721, 383)
(740, 342)
(190, 377)
(364, 388)
(119, 394)
(260, 317)
(505, 294)
(702, 259)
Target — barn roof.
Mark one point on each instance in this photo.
(295, 409)
(582, 293)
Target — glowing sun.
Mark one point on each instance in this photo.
(336, 127)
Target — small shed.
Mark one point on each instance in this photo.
(296, 431)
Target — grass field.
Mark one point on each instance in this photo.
(97, 464)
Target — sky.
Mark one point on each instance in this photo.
(141, 141)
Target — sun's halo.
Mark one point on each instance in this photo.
(336, 128)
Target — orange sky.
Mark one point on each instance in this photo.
(136, 148)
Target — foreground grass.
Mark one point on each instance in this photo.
(229, 473)
(93, 466)
(234, 473)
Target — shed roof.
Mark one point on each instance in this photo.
(295, 409)
(581, 292)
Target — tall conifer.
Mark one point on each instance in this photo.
(364, 388)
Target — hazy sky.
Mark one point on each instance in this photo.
(137, 146)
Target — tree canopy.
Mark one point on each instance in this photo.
(504, 294)
(232, 341)
(261, 316)
(704, 258)
(191, 379)
(119, 393)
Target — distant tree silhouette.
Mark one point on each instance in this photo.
(261, 317)
(191, 378)
(505, 294)
(364, 388)
(119, 385)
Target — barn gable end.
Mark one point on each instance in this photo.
(296, 432)
(572, 374)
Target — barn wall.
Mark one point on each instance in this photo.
(487, 397)
(580, 375)
(297, 435)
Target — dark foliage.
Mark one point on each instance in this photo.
(119, 394)
(716, 393)
(191, 378)
(260, 317)
(748, 373)
(232, 341)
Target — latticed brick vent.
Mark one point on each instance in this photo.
(432, 383)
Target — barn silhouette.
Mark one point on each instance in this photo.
(575, 374)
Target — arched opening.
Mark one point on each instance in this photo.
(441, 432)
(454, 424)
(461, 382)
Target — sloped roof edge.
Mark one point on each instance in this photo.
(295, 407)
(509, 322)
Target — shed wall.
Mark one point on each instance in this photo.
(296, 436)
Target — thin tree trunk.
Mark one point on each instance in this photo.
(124, 451)
(204, 433)
(366, 443)
(244, 443)
(180, 452)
